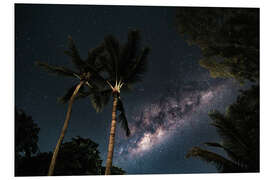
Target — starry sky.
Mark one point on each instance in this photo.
(167, 112)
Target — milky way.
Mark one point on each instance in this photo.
(156, 122)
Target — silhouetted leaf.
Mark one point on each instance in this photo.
(58, 70)
(122, 117)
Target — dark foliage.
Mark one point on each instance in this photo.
(87, 70)
(80, 156)
(125, 62)
(122, 116)
(228, 39)
(26, 137)
(26, 134)
(100, 98)
(239, 131)
(33, 166)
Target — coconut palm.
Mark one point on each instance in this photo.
(87, 74)
(125, 65)
(239, 131)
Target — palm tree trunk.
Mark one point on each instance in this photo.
(59, 142)
(112, 135)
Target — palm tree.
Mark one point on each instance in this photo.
(239, 131)
(125, 65)
(87, 74)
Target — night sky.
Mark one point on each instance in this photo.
(167, 112)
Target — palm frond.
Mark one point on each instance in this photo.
(230, 153)
(97, 80)
(139, 68)
(130, 50)
(58, 70)
(65, 98)
(133, 44)
(113, 47)
(124, 62)
(100, 98)
(74, 54)
(93, 60)
(231, 138)
(213, 144)
(82, 93)
(222, 164)
(108, 65)
(122, 117)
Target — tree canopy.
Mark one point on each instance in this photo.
(87, 70)
(26, 134)
(125, 63)
(228, 39)
(80, 156)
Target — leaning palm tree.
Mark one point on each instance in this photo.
(125, 65)
(239, 131)
(87, 74)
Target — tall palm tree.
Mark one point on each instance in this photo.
(87, 74)
(125, 65)
(239, 131)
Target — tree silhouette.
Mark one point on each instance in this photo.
(85, 158)
(26, 134)
(87, 72)
(228, 39)
(125, 64)
(239, 131)
(26, 137)
(80, 156)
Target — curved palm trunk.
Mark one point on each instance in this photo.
(112, 135)
(59, 142)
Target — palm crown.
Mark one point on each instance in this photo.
(85, 70)
(125, 64)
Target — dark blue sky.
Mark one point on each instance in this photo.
(175, 85)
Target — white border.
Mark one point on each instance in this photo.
(208, 3)
(7, 82)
